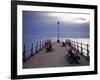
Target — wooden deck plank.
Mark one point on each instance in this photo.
(55, 58)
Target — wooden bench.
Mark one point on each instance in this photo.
(73, 57)
(63, 44)
(49, 48)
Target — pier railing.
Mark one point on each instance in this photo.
(79, 47)
(38, 47)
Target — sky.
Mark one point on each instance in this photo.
(39, 24)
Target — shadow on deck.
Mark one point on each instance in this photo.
(55, 58)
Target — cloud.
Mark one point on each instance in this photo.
(70, 17)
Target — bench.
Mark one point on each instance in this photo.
(49, 48)
(73, 57)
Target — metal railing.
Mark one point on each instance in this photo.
(79, 47)
(38, 47)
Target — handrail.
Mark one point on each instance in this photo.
(39, 46)
(79, 47)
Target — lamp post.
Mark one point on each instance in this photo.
(58, 32)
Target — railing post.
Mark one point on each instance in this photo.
(77, 46)
(87, 51)
(36, 47)
(45, 43)
(40, 46)
(31, 50)
(24, 51)
(81, 49)
(67, 42)
(70, 42)
(74, 45)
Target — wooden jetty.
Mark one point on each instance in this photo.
(56, 57)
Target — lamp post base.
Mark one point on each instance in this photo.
(58, 41)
